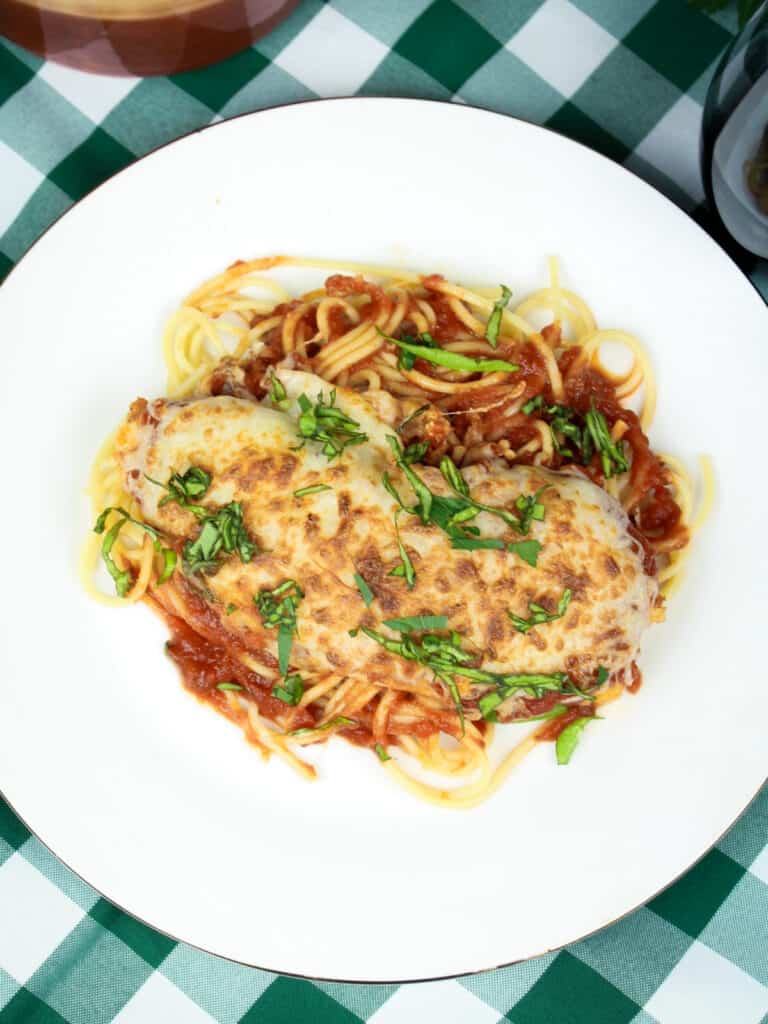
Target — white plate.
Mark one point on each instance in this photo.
(157, 801)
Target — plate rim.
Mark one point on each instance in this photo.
(405, 101)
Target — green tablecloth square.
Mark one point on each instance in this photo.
(396, 76)
(656, 177)
(96, 159)
(72, 885)
(26, 1008)
(46, 204)
(447, 43)
(362, 1000)
(616, 18)
(739, 928)
(746, 839)
(14, 74)
(273, 86)
(40, 124)
(6, 851)
(8, 988)
(577, 125)
(692, 901)
(635, 954)
(384, 21)
(678, 40)
(698, 91)
(569, 992)
(290, 1001)
(90, 976)
(508, 84)
(271, 45)
(626, 96)
(224, 989)
(150, 945)
(216, 85)
(153, 113)
(502, 20)
(506, 986)
(11, 828)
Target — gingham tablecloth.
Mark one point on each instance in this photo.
(627, 77)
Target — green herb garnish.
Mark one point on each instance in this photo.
(602, 674)
(230, 608)
(304, 492)
(405, 568)
(569, 738)
(182, 487)
(490, 701)
(410, 418)
(381, 753)
(528, 550)
(228, 686)
(450, 360)
(122, 577)
(324, 423)
(365, 591)
(463, 543)
(540, 615)
(221, 532)
(277, 393)
(278, 611)
(416, 452)
(289, 690)
(530, 509)
(417, 622)
(611, 452)
(335, 723)
(532, 404)
(493, 326)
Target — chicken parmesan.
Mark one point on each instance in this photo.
(394, 511)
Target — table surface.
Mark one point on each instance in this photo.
(627, 77)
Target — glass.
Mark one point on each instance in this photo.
(735, 140)
(139, 37)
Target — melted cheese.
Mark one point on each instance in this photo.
(322, 540)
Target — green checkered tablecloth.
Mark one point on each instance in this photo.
(627, 77)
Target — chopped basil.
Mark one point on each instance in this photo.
(411, 417)
(335, 723)
(540, 615)
(417, 622)
(230, 608)
(221, 532)
(182, 487)
(381, 753)
(406, 565)
(324, 423)
(476, 543)
(365, 591)
(281, 615)
(530, 508)
(569, 738)
(611, 452)
(528, 550)
(277, 393)
(532, 404)
(122, 577)
(304, 492)
(228, 686)
(490, 701)
(416, 452)
(602, 674)
(289, 690)
(493, 326)
(431, 353)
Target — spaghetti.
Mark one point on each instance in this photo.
(470, 380)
